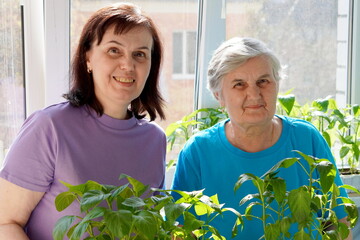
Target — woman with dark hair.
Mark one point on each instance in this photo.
(98, 134)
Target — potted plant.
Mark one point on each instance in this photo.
(308, 207)
(339, 126)
(133, 212)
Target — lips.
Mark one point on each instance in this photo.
(124, 80)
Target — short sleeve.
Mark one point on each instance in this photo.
(31, 158)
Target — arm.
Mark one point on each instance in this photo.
(16, 205)
(343, 220)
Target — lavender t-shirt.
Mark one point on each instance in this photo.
(74, 145)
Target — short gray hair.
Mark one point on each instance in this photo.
(234, 52)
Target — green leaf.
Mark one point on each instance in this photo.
(249, 208)
(302, 235)
(134, 202)
(138, 187)
(146, 225)
(285, 224)
(82, 188)
(352, 188)
(299, 203)
(62, 226)
(92, 198)
(344, 150)
(287, 102)
(285, 163)
(191, 223)
(321, 104)
(272, 231)
(94, 213)
(119, 222)
(64, 200)
(173, 211)
(79, 230)
(242, 179)
(352, 212)
(279, 188)
(327, 175)
(327, 138)
(310, 159)
(118, 191)
(248, 198)
(356, 110)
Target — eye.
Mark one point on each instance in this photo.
(262, 82)
(239, 84)
(139, 54)
(113, 51)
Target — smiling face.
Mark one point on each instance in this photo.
(249, 93)
(120, 65)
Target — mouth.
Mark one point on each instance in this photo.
(124, 80)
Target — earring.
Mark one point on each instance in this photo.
(89, 70)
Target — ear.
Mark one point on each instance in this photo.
(218, 97)
(88, 63)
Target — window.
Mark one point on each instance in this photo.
(12, 110)
(184, 44)
(310, 37)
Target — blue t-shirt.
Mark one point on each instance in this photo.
(209, 161)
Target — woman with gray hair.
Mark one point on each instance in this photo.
(244, 77)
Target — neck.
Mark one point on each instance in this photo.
(124, 114)
(254, 138)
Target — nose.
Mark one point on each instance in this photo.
(253, 91)
(126, 63)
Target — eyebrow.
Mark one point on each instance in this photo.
(266, 75)
(118, 43)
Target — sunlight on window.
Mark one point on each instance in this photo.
(305, 35)
(11, 74)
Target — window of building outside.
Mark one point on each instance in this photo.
(310, 37)
(184, 62)
(12, 105)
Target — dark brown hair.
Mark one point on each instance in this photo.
(123, 17)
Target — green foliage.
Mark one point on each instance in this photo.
(133, 212)
(179, 132)
(339, 126)
(299, 206)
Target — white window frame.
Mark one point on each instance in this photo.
(46, 56)
(354, 81)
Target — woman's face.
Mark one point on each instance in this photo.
(120, 65)
(249, 92)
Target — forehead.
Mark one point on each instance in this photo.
(259, 65)
(136, 35)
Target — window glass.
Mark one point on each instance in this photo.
(177, 52)
(306, 35)
(12, 103)
(185, 43)
(190, 52)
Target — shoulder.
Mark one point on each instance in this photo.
(55, 111)
(152, 127)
